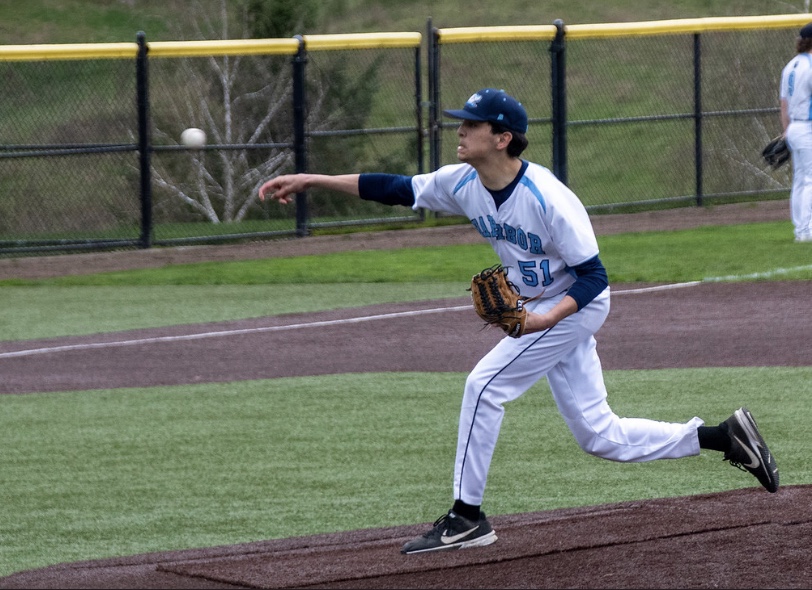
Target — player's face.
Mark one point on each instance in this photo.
(477, 142)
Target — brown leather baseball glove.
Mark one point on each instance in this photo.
(498, 302)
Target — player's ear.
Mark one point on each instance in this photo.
(505, 137)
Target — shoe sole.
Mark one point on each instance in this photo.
(756, 442)
(478, 542)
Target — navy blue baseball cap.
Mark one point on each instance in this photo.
(806, 32)
(493, 106)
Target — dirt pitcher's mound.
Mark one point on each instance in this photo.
(740, 539)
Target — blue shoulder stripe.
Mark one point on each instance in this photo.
(536, 192)
(465, 181)
(809, 64)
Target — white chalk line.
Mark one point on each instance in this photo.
(222, 333)
(323, 323)
(657, 288)
(759, 275)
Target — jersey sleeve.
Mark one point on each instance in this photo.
(435, 191)
(591, 281)
(389, 189)
(784, 86)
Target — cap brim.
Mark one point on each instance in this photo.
(462, 114)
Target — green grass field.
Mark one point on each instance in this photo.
(127, 471)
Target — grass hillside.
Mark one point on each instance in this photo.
(102, 21)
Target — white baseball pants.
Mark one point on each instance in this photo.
(566, 355)
(799, 138)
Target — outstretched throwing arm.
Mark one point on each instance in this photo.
(284, 188)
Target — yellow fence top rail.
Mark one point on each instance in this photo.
(289, 46)
(512, 33)
(594, 31)
(690, 25)
(223, 47)
(72, 51)
(67, 51)
(362, 41)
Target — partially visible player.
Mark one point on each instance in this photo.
(796, 122)
(542, 233)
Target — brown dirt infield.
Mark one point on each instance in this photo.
(744, 538)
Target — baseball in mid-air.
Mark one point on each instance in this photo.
(193, 137)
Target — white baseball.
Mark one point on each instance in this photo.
(193, 137)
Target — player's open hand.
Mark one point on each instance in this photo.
(283, 188)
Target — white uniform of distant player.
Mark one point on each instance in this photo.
(521, 232)
(796, 89)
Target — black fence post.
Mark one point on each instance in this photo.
(144, 142)
(299, 139)
(434, 96)
(698, 117)
(558, 86)
(418, 105)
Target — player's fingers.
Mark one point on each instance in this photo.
(265, 188)
(282, 188)
(272, 189)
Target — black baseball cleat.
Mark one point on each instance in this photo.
(452, 531)
(748, 451)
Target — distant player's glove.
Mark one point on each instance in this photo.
(776, 153)
(498, 302)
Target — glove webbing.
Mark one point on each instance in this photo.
(494, 305)
(496, 293)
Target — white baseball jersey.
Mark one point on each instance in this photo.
(796, 87)
(539, 233)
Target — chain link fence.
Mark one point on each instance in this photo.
(634, 115)
(69, 170)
